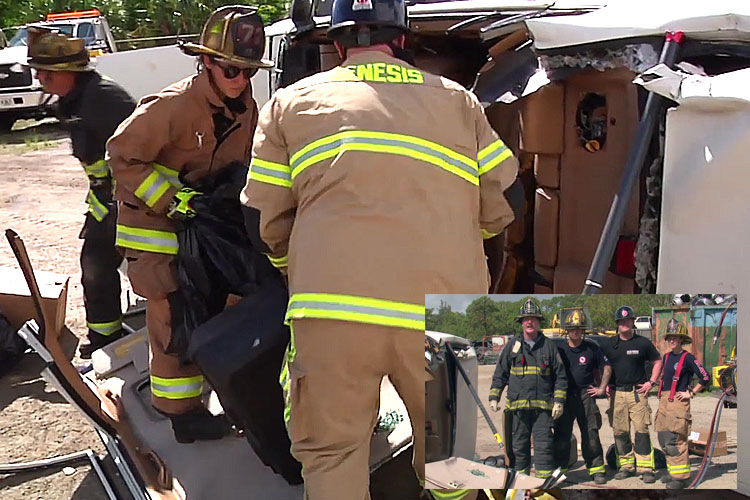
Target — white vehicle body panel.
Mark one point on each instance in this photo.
(715, 20)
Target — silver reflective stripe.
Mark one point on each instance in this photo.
(177, 389)
(171, 175)
(487, 159)
(357, 309)
(287, 176)
(156, 186)
(149, 240)
(469, 169)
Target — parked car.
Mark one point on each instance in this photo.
(643, 323)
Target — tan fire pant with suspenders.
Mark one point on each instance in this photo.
(672, 425)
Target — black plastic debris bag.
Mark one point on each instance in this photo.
(12, 346)
(215, 256)
(240, 352)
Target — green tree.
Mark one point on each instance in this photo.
(483, 318)
(135, 18)
(447, 321)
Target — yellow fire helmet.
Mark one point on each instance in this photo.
(675, 327)
(54, 51)
(234, 34)
(574, 318)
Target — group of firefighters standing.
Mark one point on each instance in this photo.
(550, 388)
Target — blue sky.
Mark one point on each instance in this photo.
(459, 302)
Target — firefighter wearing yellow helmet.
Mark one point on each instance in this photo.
(672, 422)
(531, 367)
(583, 362)
(173, 142)
(90, 107)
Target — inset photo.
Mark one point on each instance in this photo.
(580, 391)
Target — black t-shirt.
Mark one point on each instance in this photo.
(580, 363)
(690, 367)
(628, 359)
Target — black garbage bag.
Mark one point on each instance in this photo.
(240, 352)
(215, 256)
(12, 346)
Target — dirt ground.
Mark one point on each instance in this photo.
(42, 193)
(721, 475)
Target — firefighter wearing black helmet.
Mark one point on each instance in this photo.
(628, 354)
(531, 367)
(369, 204)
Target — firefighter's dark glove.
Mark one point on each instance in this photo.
(180, 207)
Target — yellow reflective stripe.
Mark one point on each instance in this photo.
(543, 473)
(357, 309)
(172, 175)
(560, 394)
(107, 328)
(177, 388)
(96, 208)
(285, 382)
(279, 262)
(599, 469)
(491, 156)
(450, 494)
(528, 403)
(625, 461)
(495, 392)
(147, 240)
(285, 379)
(152, 188)
(389, 143)
(270, 173)
(679, 468)
(528, 370)
(97, 169)
(486, 235)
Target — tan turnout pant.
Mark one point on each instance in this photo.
(334, 396)
(672, 425)
(628, 407)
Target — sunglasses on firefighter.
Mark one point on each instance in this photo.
(231, 72)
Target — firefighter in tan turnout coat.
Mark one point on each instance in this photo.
(185, 132)
(374, 184)
(673, 418)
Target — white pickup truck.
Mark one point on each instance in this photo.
(140, 72)
(21, 94)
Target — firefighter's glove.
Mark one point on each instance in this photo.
(180, 207)
(557, 411)
(493, 405)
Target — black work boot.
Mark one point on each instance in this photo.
(624, 474)
(600, 478)
(97, 341)
(666, 478)
(649, 478)
(199, 425)
(678, 484)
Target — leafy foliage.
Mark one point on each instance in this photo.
(484, 316)
(135, 18)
